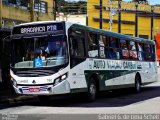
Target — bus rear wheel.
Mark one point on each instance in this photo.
(137, 84)
(92, 90)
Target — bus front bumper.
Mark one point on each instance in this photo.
(61, 88)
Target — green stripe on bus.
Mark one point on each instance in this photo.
(106, 75)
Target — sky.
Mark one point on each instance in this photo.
(152, 2)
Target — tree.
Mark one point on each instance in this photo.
(71, 7)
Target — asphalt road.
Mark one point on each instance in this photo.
(75, 107)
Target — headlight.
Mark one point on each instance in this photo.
(60, 79)
(13, 81)
(64, 76)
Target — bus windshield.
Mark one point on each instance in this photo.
(46, 51)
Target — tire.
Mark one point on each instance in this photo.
(137, 84)
(92, 90)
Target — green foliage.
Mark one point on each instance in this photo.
(66, 7)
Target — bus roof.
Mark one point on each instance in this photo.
(37, 22)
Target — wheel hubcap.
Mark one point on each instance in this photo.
(137, 86)
(92, 89)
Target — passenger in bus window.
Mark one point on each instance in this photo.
(140, 53)
(91, 43)
(31, 55)
(132, 48)
(132, 45)
(42, 56)
(113, 53)
(106, 50)
(102, 45)
(124, 49)
(104, 40)
(112, 42)
(147, 50)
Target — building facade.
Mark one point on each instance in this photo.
(20, 11)
(140, 20)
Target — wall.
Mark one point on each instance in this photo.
(15, 14)
(127, 17)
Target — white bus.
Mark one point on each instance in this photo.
(50, 58)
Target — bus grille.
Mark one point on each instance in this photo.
(34, 73)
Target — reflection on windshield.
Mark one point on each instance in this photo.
(39, 52)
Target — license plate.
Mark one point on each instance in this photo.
(34, 89)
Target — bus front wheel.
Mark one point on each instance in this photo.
(92, 90)
(137, 84)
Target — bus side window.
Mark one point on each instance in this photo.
(132, 50)
(102, 45)
(113, 48)
(147, 52)
(77, 45)
(140, 52)
(124, 49)
(74, 46)
(153, 52)
(92, 44)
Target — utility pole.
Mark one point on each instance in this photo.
(136, 19)
(31, 6)
(0, 14)
(54, 8)
(119, 16)
(100, 26)
(110, 16)
(112, 13)
(152, 22)
(39, 9)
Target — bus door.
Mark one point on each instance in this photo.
(77, 58)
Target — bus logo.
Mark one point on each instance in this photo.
(33, 81)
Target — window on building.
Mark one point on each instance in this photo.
(23, 3)
(129, 34)
(40, 6)
(44, 7)
(143, 36)
(5, 2)
(12, 1)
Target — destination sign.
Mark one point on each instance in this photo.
(37, 28)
